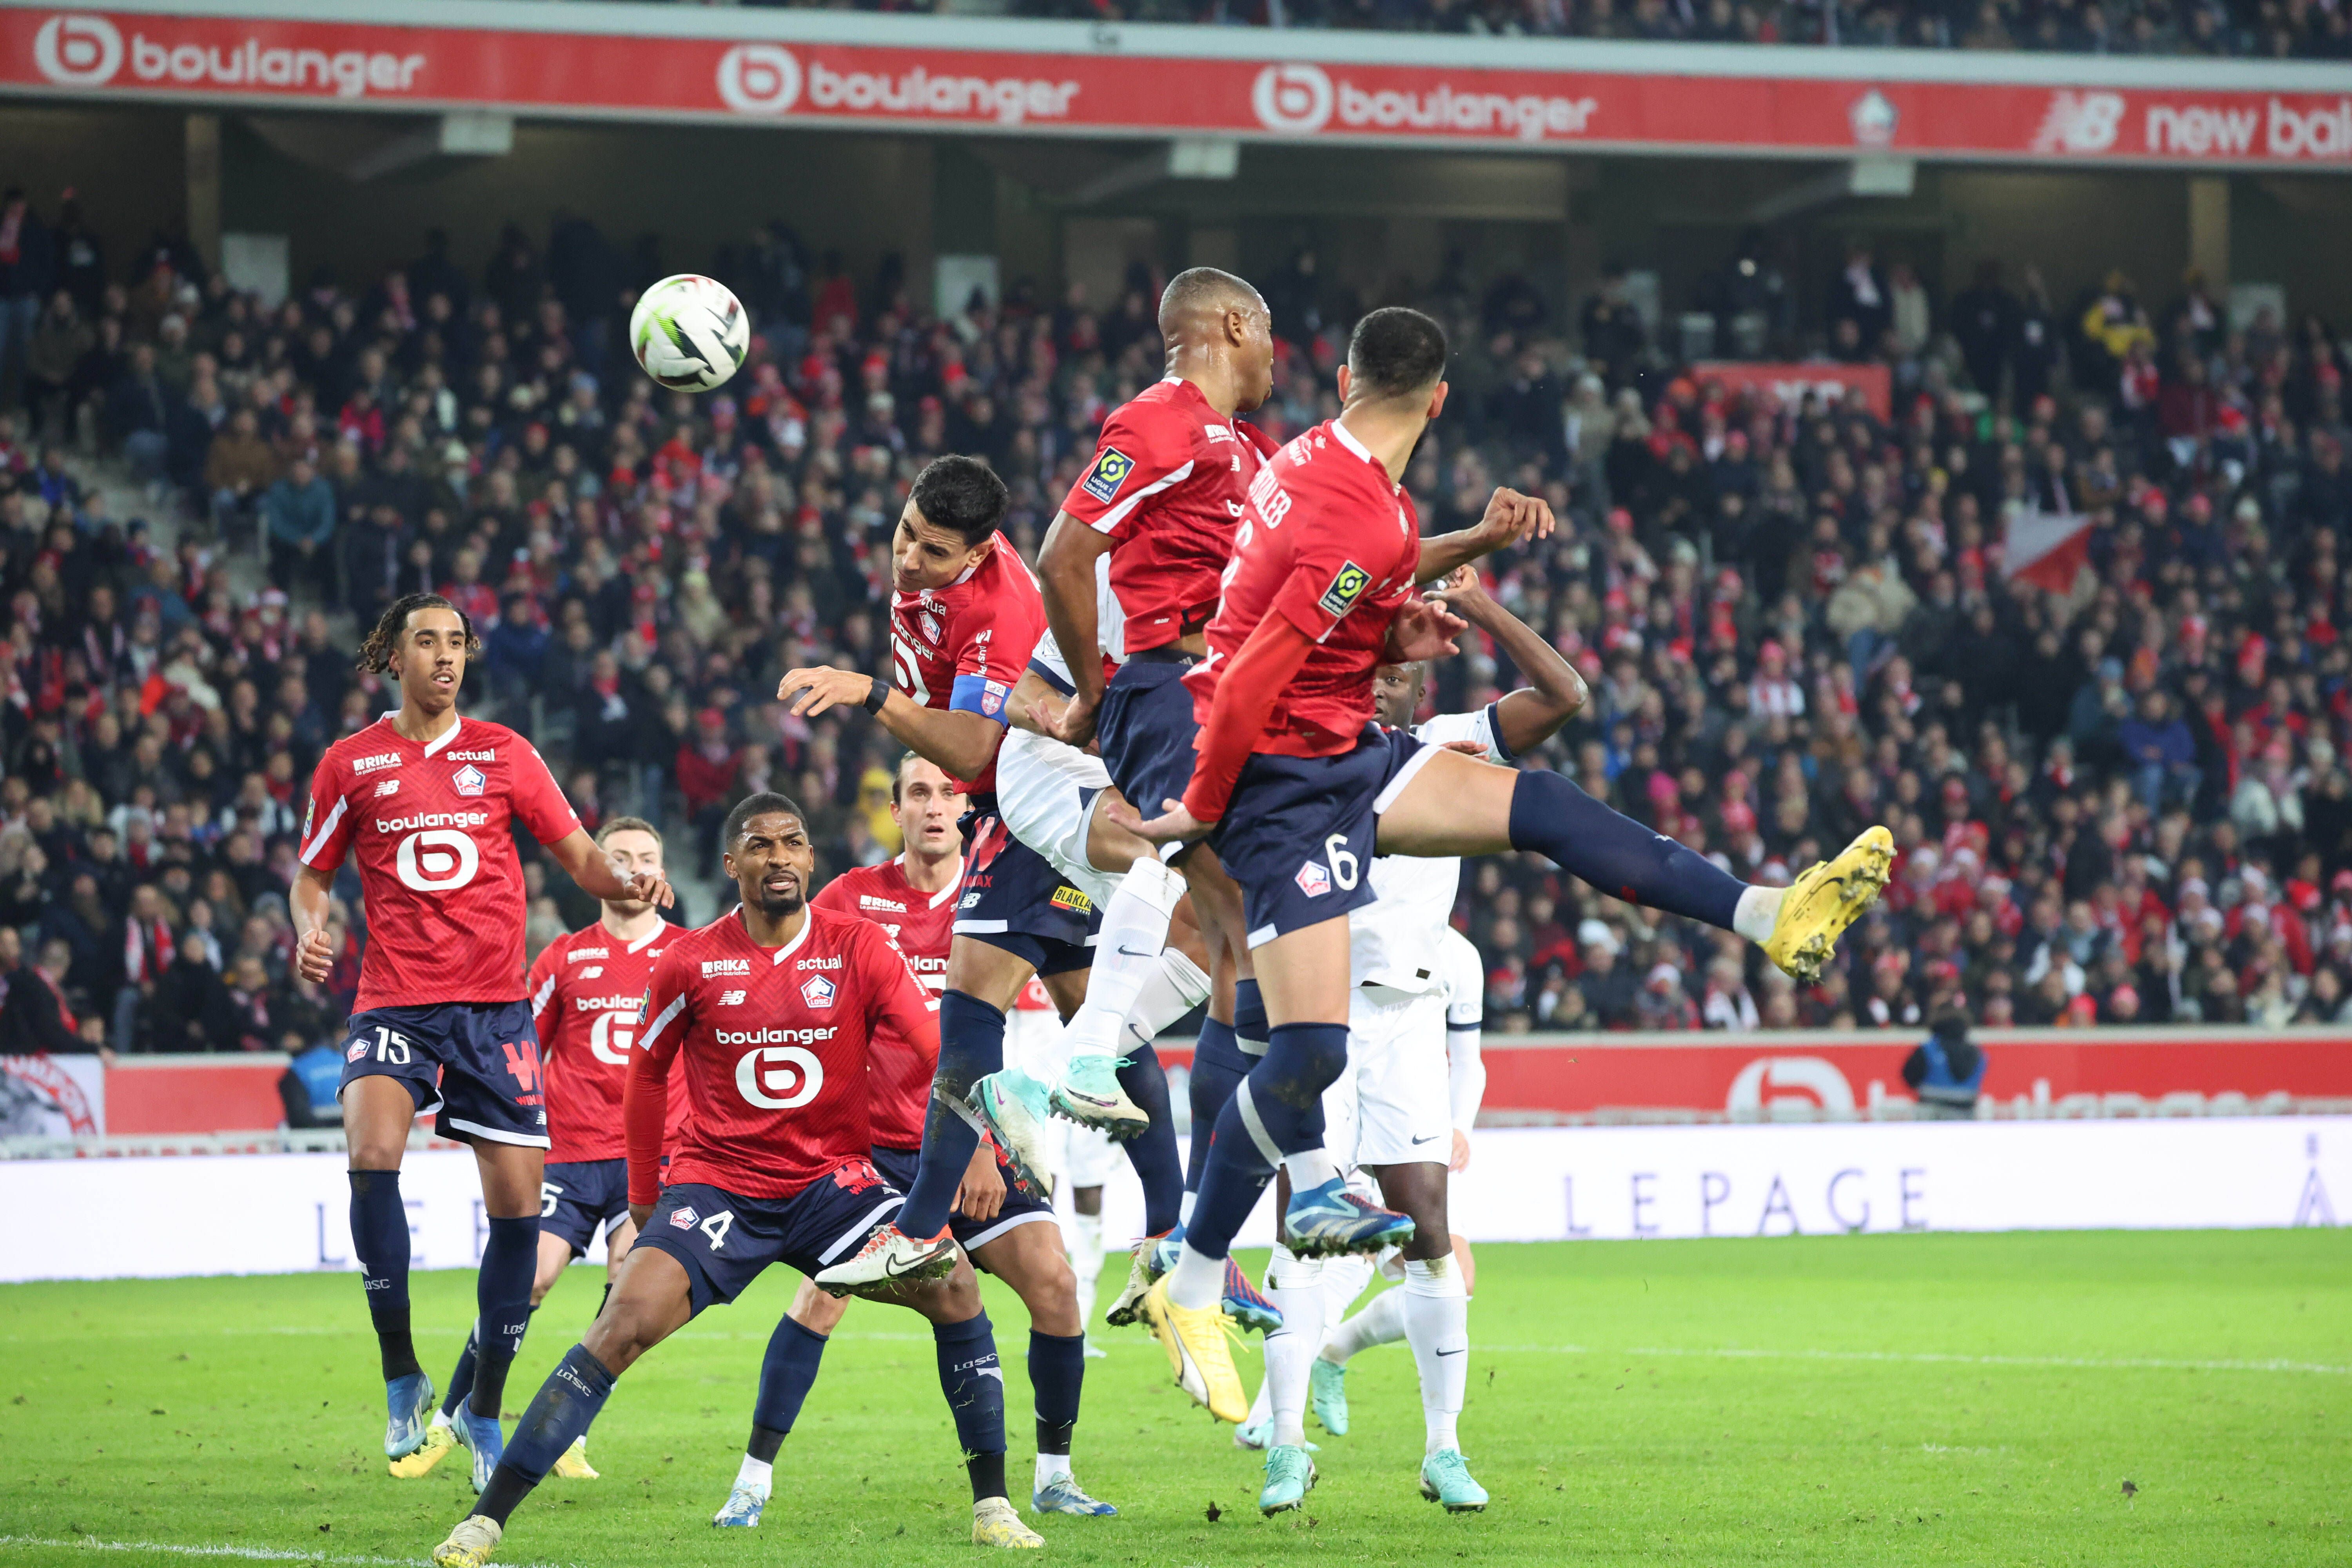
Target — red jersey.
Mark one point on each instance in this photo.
(920, 926)
(1330, 544)
(585, 991)
(774, 1044)
(1168, 484)
(438, 874)
(964, 645)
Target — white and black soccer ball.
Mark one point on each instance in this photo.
(690, 333)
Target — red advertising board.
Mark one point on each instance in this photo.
(1788, 383)
(1037, 78)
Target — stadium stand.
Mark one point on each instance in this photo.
(2064, 611)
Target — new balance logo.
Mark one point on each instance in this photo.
(730, 998)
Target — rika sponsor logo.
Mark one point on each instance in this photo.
(868, 901)
(577, 953)
(80, 50)
(817, 991)
(711, 966)
(369, 764)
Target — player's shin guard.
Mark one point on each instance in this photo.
(1153, 1153)
(1616, 854)
(380, 1241)
(1057, 1374)
(502, 1298)
(1218, 1069)
(972, 1045)
(1252, 1030)
(1134, 931)
(787, 1371)
(1297, 1286)
(561, 1411)
(1437, 1326)
(973, 1382)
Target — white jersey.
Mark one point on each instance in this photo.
(1110, 631)
(1394, 941)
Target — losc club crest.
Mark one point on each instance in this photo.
(684, 1218)
(1313, 880)
(468, 780)
(817, 991)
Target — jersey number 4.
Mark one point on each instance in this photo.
(717, 1227)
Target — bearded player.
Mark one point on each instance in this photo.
(424, 799)
(585, 989)
(771, 1009)
(1297, 790)
(964, 619)
(1009, 1234)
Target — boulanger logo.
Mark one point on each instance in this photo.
(759, 79)
(437, 861)
(779, 1078)
(1295, 98)
(77, 51)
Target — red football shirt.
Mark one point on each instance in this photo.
(964, 645)
(775, 1043)
(438, 874)
(1167, 483)
(586, 989)
(921, 925)
(1330, 544)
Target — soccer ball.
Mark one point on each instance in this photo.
(690, 333)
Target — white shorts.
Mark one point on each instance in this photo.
(1080, 1155)
(1045, 792)
(1392, 1106)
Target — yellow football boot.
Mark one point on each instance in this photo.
(1826, 900)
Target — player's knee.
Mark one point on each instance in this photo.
(1288, 1271)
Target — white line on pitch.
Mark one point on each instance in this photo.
(2102, 1363)
(247, 1553)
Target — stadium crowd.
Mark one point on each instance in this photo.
(2121, 798)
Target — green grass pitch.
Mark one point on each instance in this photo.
(1874, 1400)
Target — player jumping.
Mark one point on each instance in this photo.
(585, 989)
(771, 1007)
(912, 898)
(1412, 1080)
(423, 799)
(1297, 790)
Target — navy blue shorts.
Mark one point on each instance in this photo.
(724, 1241)
(1146, 731)
(1298, 832)
(1013, 899)
(898, 1168)
(579, 1197)
(474, 1064)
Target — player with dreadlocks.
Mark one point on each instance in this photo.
(423, 799)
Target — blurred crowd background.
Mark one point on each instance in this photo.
(2121, 797)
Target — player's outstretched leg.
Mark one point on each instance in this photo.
(380, 1241)
(787, 1371)
(974, 1381)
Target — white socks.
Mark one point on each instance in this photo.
(1084, 1242)
(1198, 1281)
(754, 1473)
(1168, 992)
(1049, 1466)
(1759, 909)
(1437, 1326)
(1310, 1169)
(1134, 931)
(1381, 1322)
(1296, 1286)
(1344, 1278)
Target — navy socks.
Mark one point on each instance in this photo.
(380, 1241)
(1276, 1110)
(1154, 1154)
(563, 1410)
(1058, 1372)
(972, 1045)
(973, 1382)
(787, 1372)
(1616, 854)
(1218, 1069)
(502, 1298)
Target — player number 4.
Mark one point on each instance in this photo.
(717, 1227)
(1344, 866)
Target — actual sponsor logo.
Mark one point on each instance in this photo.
(1313, 880)
(369, 765)
(779, 1078)
(806, 964)
(468, 780)
(711, 966)
(817, 991)
(1348, 585)
(482, 756)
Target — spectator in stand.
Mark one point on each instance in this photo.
(28, 275)
(298, 511)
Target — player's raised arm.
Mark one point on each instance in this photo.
(644, 1104)
(1511, 519)
(1527, 718)
(962, 740)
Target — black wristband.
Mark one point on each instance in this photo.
(877, 694)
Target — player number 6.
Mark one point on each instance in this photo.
(1344, 866)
